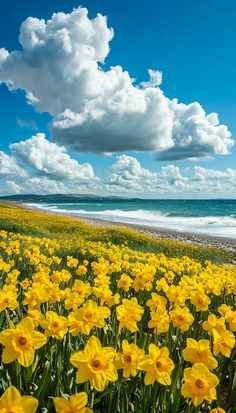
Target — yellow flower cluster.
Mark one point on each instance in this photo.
(113, 329)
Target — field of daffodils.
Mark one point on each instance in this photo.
(113, 329)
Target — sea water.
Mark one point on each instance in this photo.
(209, 217)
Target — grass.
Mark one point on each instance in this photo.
(16, 219)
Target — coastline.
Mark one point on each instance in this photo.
(222, 243)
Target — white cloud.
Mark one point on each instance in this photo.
(50, 159)
(98, 110)
(58, 59)
(43, 185)
(27, 123)
(231, 174)
(36, 165)
(196, 134)
(155, 79)
(12, 187)
(9, 166)
(127, 175)
(202, 174)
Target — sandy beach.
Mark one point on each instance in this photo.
(159, 233)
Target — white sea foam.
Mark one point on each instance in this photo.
(223, 226)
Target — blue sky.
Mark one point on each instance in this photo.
(191, 42)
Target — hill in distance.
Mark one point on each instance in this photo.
(57, 198)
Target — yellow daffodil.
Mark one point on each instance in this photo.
(214, 323)
(8, 299)
(21, 342)
(158, 366)
(36, 316)
(124, 282)
(160, 320)
(223, 343)
(176, 295)
(72, 262)
(76, 404)
(103, 293)
(156, 301)
(162, 285)
(35, 296)
(224, 310)
(12, 402)
(73, 299)
(54, 325)
(129, 313)
(199, 352)
(181, 318)
(201, 301)
(81, 270)
(231, 319)
(129, 358)
(89, 316)
(95, 364)
(199, 384)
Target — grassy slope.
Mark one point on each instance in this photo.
(40, 224)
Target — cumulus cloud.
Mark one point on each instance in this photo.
(202, 174)
(60, 69)
(43, 185)
(33, 185)
(196, 135)
(9, 166)
(128, 175)
(12, 188)
(36, 165)
(47, 158)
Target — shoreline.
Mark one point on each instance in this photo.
(222, 243)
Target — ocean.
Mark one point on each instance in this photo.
(209, 217)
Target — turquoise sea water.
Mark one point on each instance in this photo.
(213, 217)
